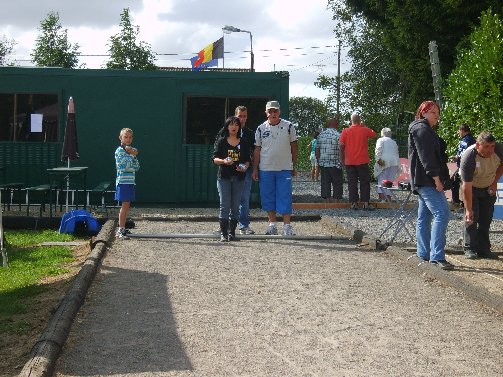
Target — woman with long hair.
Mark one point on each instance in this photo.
(232, 155)
(426, 167)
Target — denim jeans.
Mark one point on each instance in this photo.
(244, 206)
(229, 190)
(432, 220)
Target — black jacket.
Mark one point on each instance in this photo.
(246, 134)
(424, 154)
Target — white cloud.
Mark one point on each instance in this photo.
(288, 35)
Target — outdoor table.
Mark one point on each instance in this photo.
(57, 174)
(402, 214)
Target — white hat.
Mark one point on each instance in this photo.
(272, 105)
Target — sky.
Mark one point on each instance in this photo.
(288, 35)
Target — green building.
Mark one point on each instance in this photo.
(175, 116)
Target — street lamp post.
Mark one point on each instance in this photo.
(231, 29)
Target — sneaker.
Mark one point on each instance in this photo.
(443, 264)
(422, 260)
(368, 207)
(287, 230)
(271, 230)
(246, 230)
(121, 234)
(470, 254)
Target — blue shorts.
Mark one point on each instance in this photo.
(125, 192)
(276, 191)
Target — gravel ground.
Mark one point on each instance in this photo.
(196, 307)
(192, 307)
(370, 222)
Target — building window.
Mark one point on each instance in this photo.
(19, 120)
(205, 116)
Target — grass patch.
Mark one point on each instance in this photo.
(28, 264)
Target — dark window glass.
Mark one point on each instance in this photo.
(205, 116)
(16, 117)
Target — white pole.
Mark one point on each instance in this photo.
(67, 185)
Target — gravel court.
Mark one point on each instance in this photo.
(196, 307)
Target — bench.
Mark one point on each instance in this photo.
(100, 189)
(42, 189)
(12, 188)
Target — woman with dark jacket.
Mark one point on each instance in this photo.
(232, 155)
(426, 171)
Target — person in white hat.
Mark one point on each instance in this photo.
(275, 156)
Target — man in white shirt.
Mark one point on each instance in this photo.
(275, 156)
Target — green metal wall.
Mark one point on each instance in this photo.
(152, 104)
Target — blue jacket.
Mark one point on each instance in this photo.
(465, 142)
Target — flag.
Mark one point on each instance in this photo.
(208, 56)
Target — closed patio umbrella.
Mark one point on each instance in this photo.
(70, 151)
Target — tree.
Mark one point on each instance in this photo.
(6, 47)
(125, 52)
(52, 48)
(372, 86)
(474, 90)
(388, 45)
(308, 114)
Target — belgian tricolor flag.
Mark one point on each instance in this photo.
(208, 56)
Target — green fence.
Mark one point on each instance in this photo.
(26, 162)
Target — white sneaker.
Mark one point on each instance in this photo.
(122, 234)
(271, 230)
(246, 230)
(287, 230)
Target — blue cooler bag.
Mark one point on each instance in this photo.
(70, 219)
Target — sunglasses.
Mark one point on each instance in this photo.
(272, 111)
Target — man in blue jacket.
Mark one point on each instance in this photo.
(466, 140)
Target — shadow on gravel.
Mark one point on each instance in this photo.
(134, 332)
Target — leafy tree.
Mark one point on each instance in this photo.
(308, 114)
(474, 90)
(126, 52)
(6, 47)
(52, 48)
(371, 87)
(388, 45)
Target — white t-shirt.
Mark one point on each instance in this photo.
(274, 142)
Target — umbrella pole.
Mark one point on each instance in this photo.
(67, 185)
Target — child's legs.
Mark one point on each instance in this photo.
(123, 214)
(125, 193)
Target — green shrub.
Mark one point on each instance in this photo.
(474, 90)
